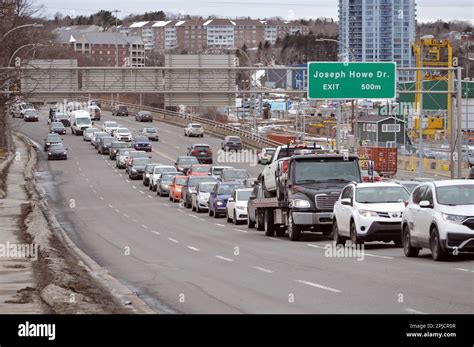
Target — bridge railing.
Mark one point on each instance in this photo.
(177, 118)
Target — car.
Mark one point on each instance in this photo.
(88, 134)
(110, 127)
(151, 133)
(369, 212)
(199, 170)
(148, 172)
(144, 116)
(184, 163)
(115, 147)
(439, 216)
(190, 188)
(194, 129)
(121, 158)
(104, 144)
(266, 155)
(216, 170)
(30, 115)
(57, 128)
(236, 209)
(255, 217)
(51, 139)
(200, 199)
(19, 109)
(202, 152)
(471, 173)
(234, 175)
(232, 143)
(74, 106)
(163, 183)
(60, 117)
(53, 109)
(132, 154)
(157, 172)
(95, 112)
(141, 143)
(176, 187)
(219, 196)
(409, 185)
(365, 176)
(470, 159)
(123, 134)
(120, 110)
(137, 166)
(57, 151)
(96, 138)
(94, 103)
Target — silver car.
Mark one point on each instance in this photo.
(121, 158)
(194, 129)
(88, 134)
(200, 199)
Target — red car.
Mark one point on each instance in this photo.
(176, 188)
(199, 170)
(366, 178)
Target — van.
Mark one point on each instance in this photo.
(80, 120)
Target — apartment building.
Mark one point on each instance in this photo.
(248, 32)
(107, 48)
(191, 35)
(278, 29)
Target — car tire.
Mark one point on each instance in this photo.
(211, 213)
(338, 239)
(280, 232)
(354, 237)
(198, 209)
(259, 223)
(229, 220)
(398, 242)
(408, 249)
(268, 223)
(236, 221)
(437, 251)
(250, 223)
(294, 231)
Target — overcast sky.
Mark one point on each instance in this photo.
(428, 10)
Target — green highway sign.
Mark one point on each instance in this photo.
(340, 80)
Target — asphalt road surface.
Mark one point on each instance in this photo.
(180, 261)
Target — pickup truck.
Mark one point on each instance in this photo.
(268, 177)
(310, 186)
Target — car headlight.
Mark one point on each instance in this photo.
(178, 190)
(64, 152)
(147, 175)
(298, 203)
(166, 186)
(219, 203)
(49, 153)
(134, 170)
(367, 213)
(453, 218)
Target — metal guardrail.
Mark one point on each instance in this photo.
(216, 127)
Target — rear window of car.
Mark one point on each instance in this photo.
(197, 126)
(201, 148)
(234, 139)
(150, 130)
(122, 108)
(141, 139)
(57, 124)
(52, 138)
(141, 161)
(201, 169)
(181, 181)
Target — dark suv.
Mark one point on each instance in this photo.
(120, 110)
(137, 168)
(202, 152)
(104, 144)
(232, 143)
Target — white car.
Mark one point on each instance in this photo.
(110, 127)
(236, 210)
(88, 134)
(200, 199)
(157, 171)
(123, 134)
(439, 216)
(216, 170)
(194, 129)
(369, 212)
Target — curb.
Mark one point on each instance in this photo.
(117, 289)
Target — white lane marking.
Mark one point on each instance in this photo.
(83, 175)
(194, 248)
(126, 215)
(90, 186)
(220, 225)
(193, 216)
(263, 269)
(410, 310)
(465, 270)
(377, 256)
(202, 219)
(101, 198)
(181, 211)
(87, 180)
(223, 258)
(127, 181)
(135, 221)
(95, 191)
(173, 240)
(120, 175)
(134, 187)
(316, 246)
(177, 147)
(115, 170)
(80, 168)
(155, 232)
(274, 239)
(241, 230)
(111, 206)
(144, 226)
(117, 210)
(150, 197)
(142, 192)
(166, 205)
(165, 156)
(319, 286)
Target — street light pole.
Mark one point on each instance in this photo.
(20, 48)
(34, 25)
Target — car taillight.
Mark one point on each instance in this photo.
(194, 151)
(209, 151)
(365, 179)
(377, 179)
(406, 203)
(285, 166)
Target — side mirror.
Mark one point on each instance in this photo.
(176, 164)
(346, 202)
(425, 204)
(230, 200)
(264, 161)
(92, 123)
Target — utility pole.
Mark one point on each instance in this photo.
(116, 32)
(459, 119)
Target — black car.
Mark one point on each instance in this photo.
(51, 139)
(255, 217)
(57, 128)
(144, 116)
(184, 163)
(61, 117)
(202, 152)
(190, 188)
(142, 143)
(137, 168)
(104, 144)
(57, 151)
(114, 148)
(120, 110)
(232, 143)
(148, 172)
(30, 116)
(163, 183)
(53, 110)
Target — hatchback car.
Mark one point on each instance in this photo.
(194, 129)
(57, 151)
(151, 133)
(439, 216)
(202, 152)
(88, 134)
(199, 170)
(137, 167)
(132, 154)
(163, 183)
(30, 116)
(96, 138)
(144, 116)
(219, 196)
(114, 148)
(232, 143)
(200, 199)
(148, 173)
(190, 188)
(157, 172)
(120, 110)
(104, 144)
(236, 209)
(176, 188)
(141, 143)
(57, 128)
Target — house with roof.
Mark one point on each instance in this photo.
(381, 131)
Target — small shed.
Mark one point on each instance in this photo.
(381, 131)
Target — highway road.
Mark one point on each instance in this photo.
(182, 262)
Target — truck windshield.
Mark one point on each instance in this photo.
(307, 171)
(83, 121)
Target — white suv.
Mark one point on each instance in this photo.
(439, 216)
(236, 209)
(123, 134)
(110, 127)
(194, 129)
(369, 212)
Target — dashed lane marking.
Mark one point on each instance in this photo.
(320, 286)
(224, 258)
(263, 269)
